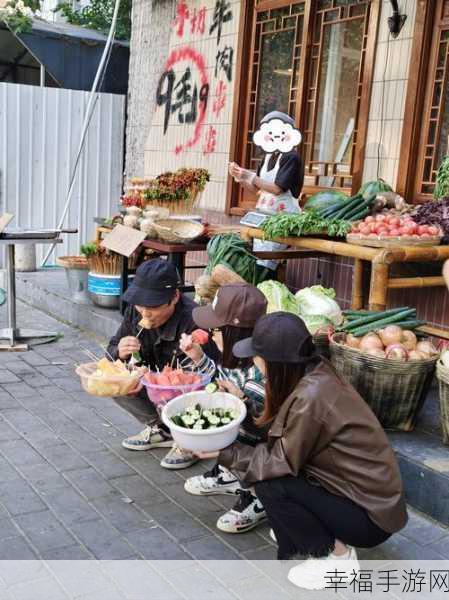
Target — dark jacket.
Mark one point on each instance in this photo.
(158, 346)
(325, 429)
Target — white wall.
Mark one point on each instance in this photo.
(39, 136)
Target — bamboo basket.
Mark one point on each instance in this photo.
(178, 231)
(443, 380)
(394, 390)
(321, 341)
(73, 262)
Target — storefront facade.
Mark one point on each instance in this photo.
(368, 105)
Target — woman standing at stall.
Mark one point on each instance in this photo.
(279, 180)
(327, 476)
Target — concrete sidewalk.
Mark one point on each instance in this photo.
(70, 491)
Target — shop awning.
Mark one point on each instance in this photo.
(69, 54)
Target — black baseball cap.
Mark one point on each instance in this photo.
(277, 337)
(155, 283)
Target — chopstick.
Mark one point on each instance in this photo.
(90, 354)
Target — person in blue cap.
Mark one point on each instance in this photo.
(157, 316)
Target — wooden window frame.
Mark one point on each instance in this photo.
(245, 49)
(422, 63)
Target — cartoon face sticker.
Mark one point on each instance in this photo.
(277, 135)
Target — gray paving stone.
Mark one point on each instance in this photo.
(8, 473)
(19, 498)
(261, 588)
(155, 544)
(19, 390)
(16, 571)
(135, 487)
(24, 421)
(125, 517)
(210, 548)
(8, 377)
(187, 581)
(41, 589)
(68, 384)
(63, 457)
(7, 401)
(16, 549)
(202, 507)
(44, 531)
(70, 506)
(109, 465)
(421, 530)
(7, 433)
(441, 546)
(36, 380)
(103, 541)
(90, 483)
(180, 524)
(398, 547)
(50, 371)
(19, 452)
(67, 553)
(7, 529)
(87, 578)
(81, 440)
(19, 367)
(34, 359)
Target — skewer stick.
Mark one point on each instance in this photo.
(90, 354)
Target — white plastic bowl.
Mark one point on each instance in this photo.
(204, 440)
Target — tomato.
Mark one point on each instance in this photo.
(395, 221)
(425, 235)
(433, 230)
(403, 231)
(372, 235)
(423, 229)
(380, 218)
(369, 219)
(365, 230)
(373, 227)
(407, 218)
(395, 232)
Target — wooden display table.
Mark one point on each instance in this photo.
(381, 260)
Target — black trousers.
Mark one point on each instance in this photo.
(307, 519)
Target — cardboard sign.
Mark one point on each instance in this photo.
(5, 219)
(123, 240)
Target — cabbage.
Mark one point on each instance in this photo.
(317, 307)
(279, 297)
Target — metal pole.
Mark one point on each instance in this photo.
(42, 76)
(11, 299)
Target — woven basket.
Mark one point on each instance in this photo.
(394, 390)
(443, 379)
(321, 341)
(73, 262)
(176, 207)
(392, 242)
(178, 231)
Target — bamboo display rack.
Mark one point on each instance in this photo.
(381, 260)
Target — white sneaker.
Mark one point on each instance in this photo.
(273, 536)
(151, 437)
(247, 513)
(216, 481)
(316, 573)
(178, 458)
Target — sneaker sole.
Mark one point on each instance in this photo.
(176, 467)
(144, 447)
(242, 529)
(215, 492)
(306, 585)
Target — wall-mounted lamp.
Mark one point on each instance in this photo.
(396, 21)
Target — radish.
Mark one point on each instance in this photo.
(409, 340)
(416, 355)
(392, 334)
(370, 341)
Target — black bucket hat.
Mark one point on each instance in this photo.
(155, 284)
(277, 337)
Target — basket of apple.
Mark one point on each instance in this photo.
(389, 229)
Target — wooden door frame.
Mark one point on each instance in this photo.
(415, 97)
(240, 112)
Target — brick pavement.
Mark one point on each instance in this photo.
(70, 491)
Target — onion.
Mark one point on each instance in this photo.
(426, 347)
(409, 340)
(396, 352)
(352, 341)
(376, 352)
(391, 335)
(417, 355)
(370, 341)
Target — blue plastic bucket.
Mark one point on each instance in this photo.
(105, 285)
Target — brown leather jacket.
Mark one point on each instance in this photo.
(325, 429)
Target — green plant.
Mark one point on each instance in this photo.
(18, 14)
(98, 15)
(176, 186)
(442, 181)
(89, 249)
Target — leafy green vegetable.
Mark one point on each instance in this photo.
(279, 297)
(317, 307)
(305, 223)
(442, 181)
(231, 251)
(326, 199)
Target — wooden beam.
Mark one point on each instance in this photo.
(399, 283)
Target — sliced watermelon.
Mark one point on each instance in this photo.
(325, 199)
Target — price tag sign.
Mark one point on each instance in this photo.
(123, 240)
(5, 219)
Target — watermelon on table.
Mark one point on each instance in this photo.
(325, 199)
(371, 189)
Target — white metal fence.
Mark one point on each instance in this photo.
(39, 135)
